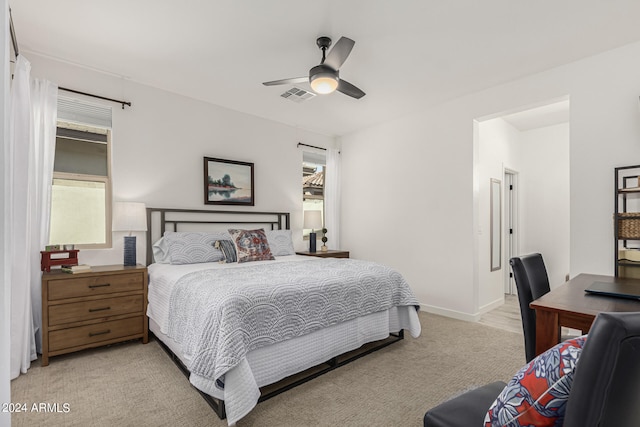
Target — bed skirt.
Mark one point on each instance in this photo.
(270, 364)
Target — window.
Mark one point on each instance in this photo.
(81, 191)
(313, 167)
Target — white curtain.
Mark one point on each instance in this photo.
(332, 198)
(44, 100)
(31, 147)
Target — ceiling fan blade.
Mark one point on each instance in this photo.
(339, 53)
(349, 89)
(292, 80)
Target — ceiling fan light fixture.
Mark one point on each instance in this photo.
(324, 84)
(323, 80)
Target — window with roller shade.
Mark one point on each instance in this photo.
(81, 191)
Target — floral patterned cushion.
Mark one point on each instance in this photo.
(538, 393)
(251, 245)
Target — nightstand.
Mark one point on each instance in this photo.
(326, 254)
(84, 310)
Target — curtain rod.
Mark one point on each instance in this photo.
(127, 103)
(312, 146)
(14, 40)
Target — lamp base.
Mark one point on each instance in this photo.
(129, 250)
(312, 242)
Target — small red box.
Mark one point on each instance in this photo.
(46, 261)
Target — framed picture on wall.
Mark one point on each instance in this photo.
(228, 182)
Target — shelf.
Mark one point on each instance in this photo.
(628, 263)
(626, 224)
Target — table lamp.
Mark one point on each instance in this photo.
(129, 216)
(312, 220)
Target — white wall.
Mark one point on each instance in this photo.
(5, 290)
(424, 223)
(160, 141)
(545, 198)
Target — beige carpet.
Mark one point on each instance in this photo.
(138, 385)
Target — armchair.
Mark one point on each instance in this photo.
(605, 390)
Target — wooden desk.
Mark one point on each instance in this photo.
(569, 305)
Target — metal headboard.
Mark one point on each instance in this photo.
(160, 220)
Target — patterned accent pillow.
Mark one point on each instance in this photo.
(192, 247)
(280, 242)
(251, 245)
(537, 395)
(228, 250)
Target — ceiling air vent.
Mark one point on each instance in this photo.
(296, 94)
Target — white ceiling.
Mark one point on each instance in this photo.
(409, 54)
(538, 117)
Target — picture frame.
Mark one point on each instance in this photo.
(228, 182)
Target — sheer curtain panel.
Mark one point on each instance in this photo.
(332, 198)
(31, 146)
(44, 118)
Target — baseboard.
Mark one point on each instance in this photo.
(488, 307)
(450, 313)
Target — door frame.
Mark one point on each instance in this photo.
(511, 229)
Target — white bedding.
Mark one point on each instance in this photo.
(269, 364)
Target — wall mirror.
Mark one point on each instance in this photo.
(496, 224)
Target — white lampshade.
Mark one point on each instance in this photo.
(324, 83)
(312, 219)
(129, 216)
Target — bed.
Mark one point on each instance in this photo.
(246, 323)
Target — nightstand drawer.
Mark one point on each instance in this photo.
(86, 310)
(94, 285)
(104, 331)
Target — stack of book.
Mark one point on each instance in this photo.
(73, 269)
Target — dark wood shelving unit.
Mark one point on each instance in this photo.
(626, 221)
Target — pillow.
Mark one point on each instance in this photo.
(189, 247)
(251, 245)
(228, 250)
(538, 393)
(161, 251)
(280, 242)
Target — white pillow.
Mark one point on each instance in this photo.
(188, 247)
(161, 251)
(280, 242)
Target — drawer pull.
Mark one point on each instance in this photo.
(93, 310)
(102, 285)
(93, 334)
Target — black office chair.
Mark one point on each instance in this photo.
(532, 282)
(605, 390)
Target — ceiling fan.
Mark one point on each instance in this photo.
(325, 78)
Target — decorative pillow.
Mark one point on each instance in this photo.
(538, 393)
(191, 247)
(251, 245)
(280, 242)
(228, 250)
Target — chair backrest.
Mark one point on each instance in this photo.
(532, 282)
(606, 385)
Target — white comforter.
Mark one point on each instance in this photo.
(240, 391)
